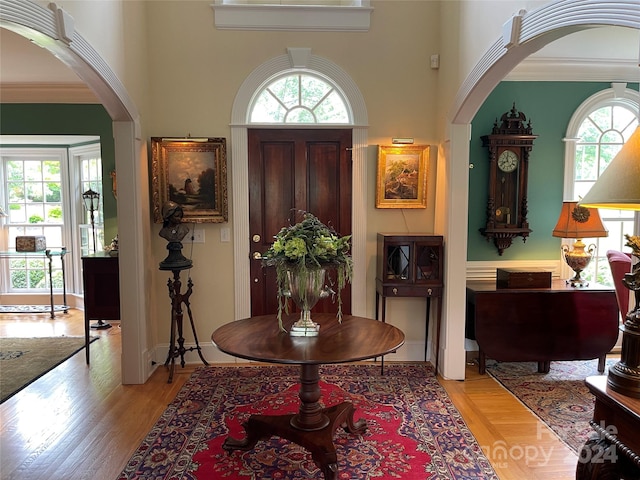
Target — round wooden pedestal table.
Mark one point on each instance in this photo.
(313, 427)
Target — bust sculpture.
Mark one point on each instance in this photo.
(174, 230)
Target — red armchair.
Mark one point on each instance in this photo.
(620, 264)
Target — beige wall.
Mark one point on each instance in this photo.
(196, 70)
(183, 74)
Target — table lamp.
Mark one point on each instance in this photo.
(578, 222)
(91, 201)
(618, 188)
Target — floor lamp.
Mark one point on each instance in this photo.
(618, 188)
(91, 201)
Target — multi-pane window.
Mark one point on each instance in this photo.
(599, 137)
(41, 191)
(90, 169)
(299, 98)
(33, 192)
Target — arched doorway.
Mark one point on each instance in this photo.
(58, 36)
(535, 31)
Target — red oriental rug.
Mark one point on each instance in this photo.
(413, 430)
(560, 398)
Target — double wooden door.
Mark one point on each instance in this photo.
(294, 171)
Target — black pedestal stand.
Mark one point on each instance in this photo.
(624, 376)
(176, 263)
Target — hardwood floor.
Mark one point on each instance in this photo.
(78, 422)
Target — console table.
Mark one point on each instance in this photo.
(259, 339)
(543, 324)
(615, 451)
(48, 254)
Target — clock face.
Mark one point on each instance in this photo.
(508, 161)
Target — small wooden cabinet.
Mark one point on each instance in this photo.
(101, 290)
(411, 265)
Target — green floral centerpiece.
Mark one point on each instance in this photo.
(301, 253)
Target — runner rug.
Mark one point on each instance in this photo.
(560, 398)
(24, 360)
(413, 429)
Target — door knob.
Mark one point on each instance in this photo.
(257, 255)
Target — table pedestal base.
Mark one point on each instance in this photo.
(319, 441)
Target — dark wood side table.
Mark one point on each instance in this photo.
(615, 451)
(543, 324)
(101, 280)
(411, 265)
(258, 338)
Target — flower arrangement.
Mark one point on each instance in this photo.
(633, 242)
(307, 246)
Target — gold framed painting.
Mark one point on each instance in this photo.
(402, 176)
(191, 172)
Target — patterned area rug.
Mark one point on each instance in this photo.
(24, 360)
(413, 429)
(560, 398)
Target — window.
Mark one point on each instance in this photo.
(299, 98)
(41, 188)
(596, 134)
(293, 15)
(89, 163)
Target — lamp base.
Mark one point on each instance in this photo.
(624, 376)
(100, 325)
(578, 260)
(578, 282)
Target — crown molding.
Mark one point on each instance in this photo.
(575, 70)
(46, 93)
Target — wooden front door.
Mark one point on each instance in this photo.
(291, 171)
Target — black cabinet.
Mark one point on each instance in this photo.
(411, 265)
(101, 279)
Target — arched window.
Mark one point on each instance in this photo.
(597, 131)
(299, 98)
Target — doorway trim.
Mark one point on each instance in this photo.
(297, 60)
(536, 29)
(53, 29)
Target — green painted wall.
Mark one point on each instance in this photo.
(549, 106)
(67, 119)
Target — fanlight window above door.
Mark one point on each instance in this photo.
(299, 98)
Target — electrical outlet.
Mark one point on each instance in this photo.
(198, 235)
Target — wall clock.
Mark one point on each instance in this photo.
(509, 146)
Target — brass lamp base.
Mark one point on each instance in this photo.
(624, 376)
(578, 260)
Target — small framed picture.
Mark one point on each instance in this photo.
(402, 176)
(191, 172)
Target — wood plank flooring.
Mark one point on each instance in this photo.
(78, 422)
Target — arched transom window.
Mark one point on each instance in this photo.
(299, 98)
(601, 136)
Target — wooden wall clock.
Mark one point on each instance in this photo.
(509, 146)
